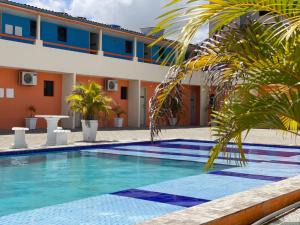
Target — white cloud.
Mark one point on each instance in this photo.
(55, 5)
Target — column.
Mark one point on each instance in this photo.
(134, 108)
(38, 41)
(68, 82)
(100, 52)
(204, 101)
(135, 58)
(0, 22)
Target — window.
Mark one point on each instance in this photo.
(18, 31)
(48, 88)
(9, 29)
(62, 34)
(128, 46)
(161, 53)
(124, 93)
(33, 28)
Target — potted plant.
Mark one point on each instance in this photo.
(90, 101)
(174, 109)
(118, 121)
(31, 120)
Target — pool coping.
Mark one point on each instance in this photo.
(85, 146)
(239, 209)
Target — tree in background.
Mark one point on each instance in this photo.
(254, 67)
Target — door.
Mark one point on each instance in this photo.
(193, 108)
(143, 105)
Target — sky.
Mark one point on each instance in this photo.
(130, 14)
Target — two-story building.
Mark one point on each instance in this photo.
(58, 51)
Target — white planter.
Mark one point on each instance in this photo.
(119, 122)
(31, 123)
(89, 130)
(173, 121)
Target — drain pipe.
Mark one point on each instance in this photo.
(278, 214)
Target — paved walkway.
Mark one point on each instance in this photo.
(36, 140)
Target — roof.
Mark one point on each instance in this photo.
(78, 19)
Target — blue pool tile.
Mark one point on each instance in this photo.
(232, 149)
(162, 151)
(246, 146)
(248, 176)
(101, 210)
(205, 186)
(178, 200)
(155, 155)
(268, 169)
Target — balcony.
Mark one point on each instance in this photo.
(32, 41)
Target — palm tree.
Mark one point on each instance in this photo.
(255, 66)
(89, 100)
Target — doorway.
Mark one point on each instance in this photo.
(143, 105)
(93, 42)
(147, 52)
(193, 109)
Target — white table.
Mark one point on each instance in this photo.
(52, 123)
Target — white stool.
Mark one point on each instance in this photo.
(19, 137)
(62, 136)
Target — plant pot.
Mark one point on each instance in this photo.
(89, 130)
(119, 122)
(173, 121)
(31, 123)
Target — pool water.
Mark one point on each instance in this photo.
(35, 181)
(126, 184)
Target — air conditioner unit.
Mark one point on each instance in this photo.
(112, 85)
(28, 78)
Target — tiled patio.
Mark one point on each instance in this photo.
(261, 136)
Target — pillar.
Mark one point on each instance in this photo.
(135, 58)
(68, 82)
(38, 41)
(134, 105)
(100, 52)
(204, 102)
(1, 22)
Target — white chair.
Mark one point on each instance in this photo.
(62, 136)
(19, 137)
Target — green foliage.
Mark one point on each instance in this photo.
(32, 111)
(89, 100)
(118, 111)
(255, 69)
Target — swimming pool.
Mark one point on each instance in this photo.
(129, 183)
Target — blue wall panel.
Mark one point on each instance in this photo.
(17, 21)
(115, 45)
(155, 53)
(140, 49)
(75, 37)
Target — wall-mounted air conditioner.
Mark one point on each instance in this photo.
(28, 78)
(111, 85)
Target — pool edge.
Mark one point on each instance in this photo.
(239, 209)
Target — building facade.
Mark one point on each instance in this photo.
(61, 51)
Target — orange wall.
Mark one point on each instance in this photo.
(115, 95)
(185, 118)
(13, 111)
(150, 87)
